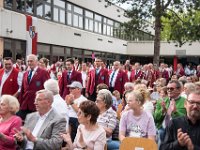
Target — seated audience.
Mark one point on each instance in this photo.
(73, 100)
(118, 99)
(89, 135)
(136, 122)
(182, 133)
(9, 105)
(59, 103)
(42, 129)
(108, 117)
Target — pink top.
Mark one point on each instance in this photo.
(95, 139)
(141, 126)
(7, 129)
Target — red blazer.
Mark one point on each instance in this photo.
(103, 78)
(121, 79)
(135, 76)
(165, 75)
(28, 90)
(10, 86)
(180, 72)
(63, 83)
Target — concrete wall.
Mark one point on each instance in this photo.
(146, 48)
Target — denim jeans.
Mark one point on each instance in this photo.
(113, 144)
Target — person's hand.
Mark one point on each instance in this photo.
(173, 105)
(86, 95)
(81, 140)
(184, 140)
(28, 134)
(66, 137)
(18, 135)
(163, 104)
(69, 99)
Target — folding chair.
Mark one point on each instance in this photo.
(132, 143)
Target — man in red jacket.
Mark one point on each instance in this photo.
(96, 76)
(10, 78)
(117, 78)
(68, 76)
(33, 81)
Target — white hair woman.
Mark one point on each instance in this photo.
(108, 117)
(9, 105)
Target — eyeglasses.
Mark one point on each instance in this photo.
(193, 103)
(170, 88)
(72, 88)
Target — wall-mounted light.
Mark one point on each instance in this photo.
(9, 31)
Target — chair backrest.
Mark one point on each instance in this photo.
(132, 143)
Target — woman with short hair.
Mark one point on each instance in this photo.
(89, 135)
(9, 105)
(108, 117)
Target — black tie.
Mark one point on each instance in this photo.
(68, 75)
(112, 77)
(30, 75)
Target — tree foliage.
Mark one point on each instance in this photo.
(182, 17)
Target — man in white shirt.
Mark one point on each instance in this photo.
(59, 103)
(73, 100)
(42, 128)
(10, 77)
(84, 74)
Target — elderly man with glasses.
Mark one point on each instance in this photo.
(171, 107)
(184, 132)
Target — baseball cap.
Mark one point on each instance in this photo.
(75, 84)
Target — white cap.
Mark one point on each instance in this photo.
(75, 84)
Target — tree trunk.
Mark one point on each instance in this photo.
(156, 57)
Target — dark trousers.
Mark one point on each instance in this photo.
(73, 123)
(22, 113)
(93, 96)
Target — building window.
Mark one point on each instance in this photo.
(97, 23)
(78, 17)
(69, 14)
(43, 50)
(89, 23)
(8, 4)
(108, 27)
(59, 11)
(43, 9)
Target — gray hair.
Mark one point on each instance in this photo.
(32, 56)
(51, 85)
(12, 103)
(190, 87)
(107, 97)
(129, 85)
(47, 94)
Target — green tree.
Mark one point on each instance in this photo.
(180, 31)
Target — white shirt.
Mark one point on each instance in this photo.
(84, 78)
(37, 128)
(61, 107)
(33, 72)
(78, 101)
(114, 78)
(5, 77)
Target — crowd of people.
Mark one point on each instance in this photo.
(73, 105)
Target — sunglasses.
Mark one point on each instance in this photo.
(170, 89)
